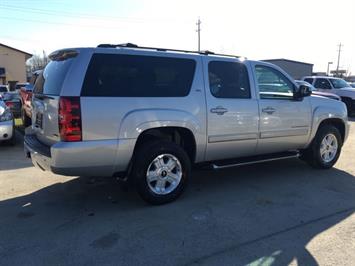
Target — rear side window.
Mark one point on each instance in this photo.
(322, 83)
(309, 80)
(51, 79)
(228, 80)
(138, 76)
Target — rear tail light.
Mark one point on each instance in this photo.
(70, 119)
(10, 104)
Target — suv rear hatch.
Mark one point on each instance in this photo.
(46, 97)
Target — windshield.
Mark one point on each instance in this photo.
(339, 83)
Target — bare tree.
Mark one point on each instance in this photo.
(37, 62)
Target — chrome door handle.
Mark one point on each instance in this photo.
(269, 110)
(219, 110)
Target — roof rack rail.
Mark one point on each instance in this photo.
(132, 45)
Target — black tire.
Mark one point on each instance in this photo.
(26, 121)
(312, 155)
(12, 141)
(143, 159)
(348, 106)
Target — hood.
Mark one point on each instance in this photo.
(348, 89)
(326, 94)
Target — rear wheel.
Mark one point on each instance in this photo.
(325, 149)
(160, 171)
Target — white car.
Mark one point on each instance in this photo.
(337, 86)
(7, 125)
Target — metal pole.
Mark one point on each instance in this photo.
(199, 33)
(339, 51)
(329, 63)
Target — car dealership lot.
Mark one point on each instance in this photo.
(281, 212)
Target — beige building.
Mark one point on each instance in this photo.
(12, 65)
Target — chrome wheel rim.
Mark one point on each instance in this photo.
(328, 148)
(164, 174)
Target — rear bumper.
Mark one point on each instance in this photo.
(85, 158)
(6, 130)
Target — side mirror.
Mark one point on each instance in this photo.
(303, 91)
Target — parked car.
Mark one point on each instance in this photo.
(319, 93)
(149, 114)
(337, 86)
(26, 99)
(13, 101)
(7, 125)
(3, 89)
(19, 85)
(352, 84)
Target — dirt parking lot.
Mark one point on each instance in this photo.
(275, 213)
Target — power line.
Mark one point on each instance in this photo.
(60, 23)
(62, 13)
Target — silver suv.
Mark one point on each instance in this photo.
(149, 114)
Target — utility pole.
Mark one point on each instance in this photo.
(339, 51)
(199, 33)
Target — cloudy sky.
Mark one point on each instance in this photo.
(303, 30)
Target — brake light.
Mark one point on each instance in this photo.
(69, 119)
(9, 104)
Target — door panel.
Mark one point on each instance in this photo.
(232, 110)
(287, 128)
(284, 122)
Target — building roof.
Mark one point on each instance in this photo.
(287, 60)
(28, 55)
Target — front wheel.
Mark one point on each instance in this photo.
(325, 148)
(160, 171)
(349, 106)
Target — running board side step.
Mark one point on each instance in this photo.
(254, 159)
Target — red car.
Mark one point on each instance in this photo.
(26, 99)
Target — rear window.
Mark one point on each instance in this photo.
(3, 89)
(228, 80)
(50, 81)
(309, 80)
(138, 76)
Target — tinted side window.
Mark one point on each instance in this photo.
(228, 80)
(272, 83)
(138, 76)
(322, 84)
(50, 80)
(309, 80)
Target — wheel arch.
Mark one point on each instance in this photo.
(180, 135)
(338, 123)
